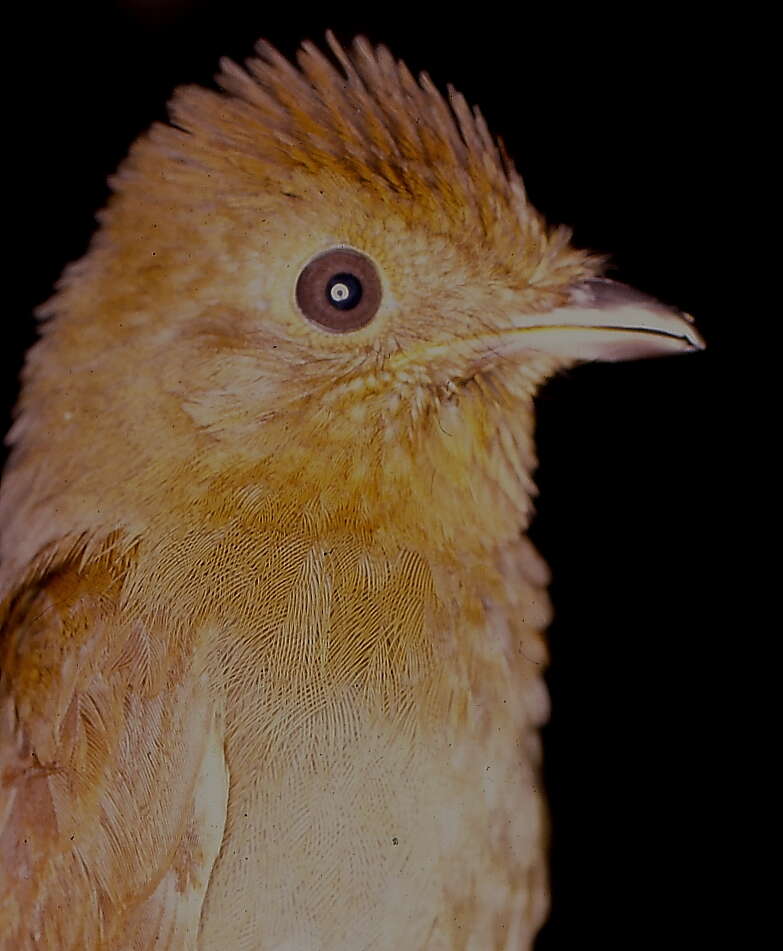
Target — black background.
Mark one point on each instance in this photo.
(618, 123)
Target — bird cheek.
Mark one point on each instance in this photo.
(356, 413)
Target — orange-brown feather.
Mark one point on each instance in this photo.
(225, 532)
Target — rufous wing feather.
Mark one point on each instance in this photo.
(113, 784)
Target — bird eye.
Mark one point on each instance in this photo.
(339, 290)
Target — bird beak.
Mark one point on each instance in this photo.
(604, 320)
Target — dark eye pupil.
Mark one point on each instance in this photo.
(344, 291)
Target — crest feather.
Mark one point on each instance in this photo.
(361, 115)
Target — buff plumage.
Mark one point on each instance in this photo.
(272, 637)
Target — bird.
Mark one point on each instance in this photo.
(272, 633)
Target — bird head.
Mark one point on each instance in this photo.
(323, 285)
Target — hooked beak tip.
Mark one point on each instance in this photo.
(692, 335)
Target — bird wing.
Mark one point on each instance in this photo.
(113, 783)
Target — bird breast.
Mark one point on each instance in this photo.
(381, 749)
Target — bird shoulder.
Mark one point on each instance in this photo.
(112, 779)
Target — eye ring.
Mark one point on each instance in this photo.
(339, 290)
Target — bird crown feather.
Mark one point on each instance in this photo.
(370, 122)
